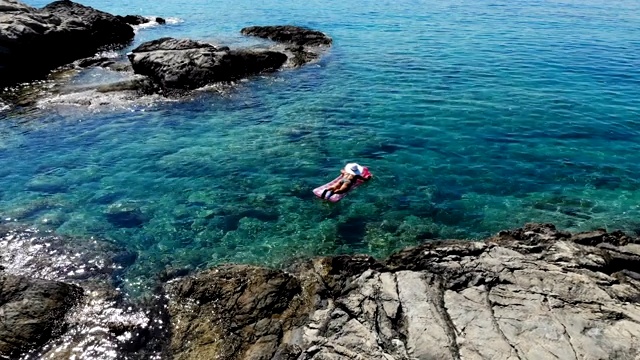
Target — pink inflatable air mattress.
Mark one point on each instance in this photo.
(366, 175)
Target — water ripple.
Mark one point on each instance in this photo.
(474, 117)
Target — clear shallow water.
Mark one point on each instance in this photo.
(473, 116)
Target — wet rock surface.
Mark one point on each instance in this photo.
(57, 34)
(31, 311)
(529, 293)
(289, 34)
(188, 64)
(229, 309)
(125, 215)
(302, 45)
(58, 299)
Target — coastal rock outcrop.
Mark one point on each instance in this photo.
(303, 45)
(529, 293)
(133, 19)
(139, 20)
(35, 41)
(534, 292)
(289, 34)
(188, 64)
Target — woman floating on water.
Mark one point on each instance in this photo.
(349, 176)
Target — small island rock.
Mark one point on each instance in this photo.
(289, 34)
(188, 64)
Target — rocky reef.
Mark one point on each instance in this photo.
(529, 293)
(187, 64)
(66, 35)
(302, 45)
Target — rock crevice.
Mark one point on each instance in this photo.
(528, 293)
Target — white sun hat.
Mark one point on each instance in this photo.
(354, 169)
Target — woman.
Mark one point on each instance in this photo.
(349, 175)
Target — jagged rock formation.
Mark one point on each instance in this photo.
(35, 41)
(133, 19)
(187, 64)
(289, 34)
(303, 45)
(532, 293)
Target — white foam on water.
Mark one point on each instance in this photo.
(94, 101)
(110, 54)
(173, 20)
(43, 255)
(152, 23)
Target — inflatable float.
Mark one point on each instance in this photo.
(362, 175)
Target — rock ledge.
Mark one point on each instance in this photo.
(529, 293)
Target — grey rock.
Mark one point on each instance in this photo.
(57, 34)
(187, 64)
(303, 45)
(530, 293)
(289, 34)
(32, 311)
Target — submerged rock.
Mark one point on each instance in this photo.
(289, 34)
(57, 34)
(533, 292)
(187, 64)
(125, 215)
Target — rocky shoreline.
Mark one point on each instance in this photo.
(35, 41)
(67, 35)
(529, 293)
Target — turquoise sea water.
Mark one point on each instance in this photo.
(474, 116)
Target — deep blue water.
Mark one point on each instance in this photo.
(474, 116)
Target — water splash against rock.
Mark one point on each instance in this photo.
(92, 318)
